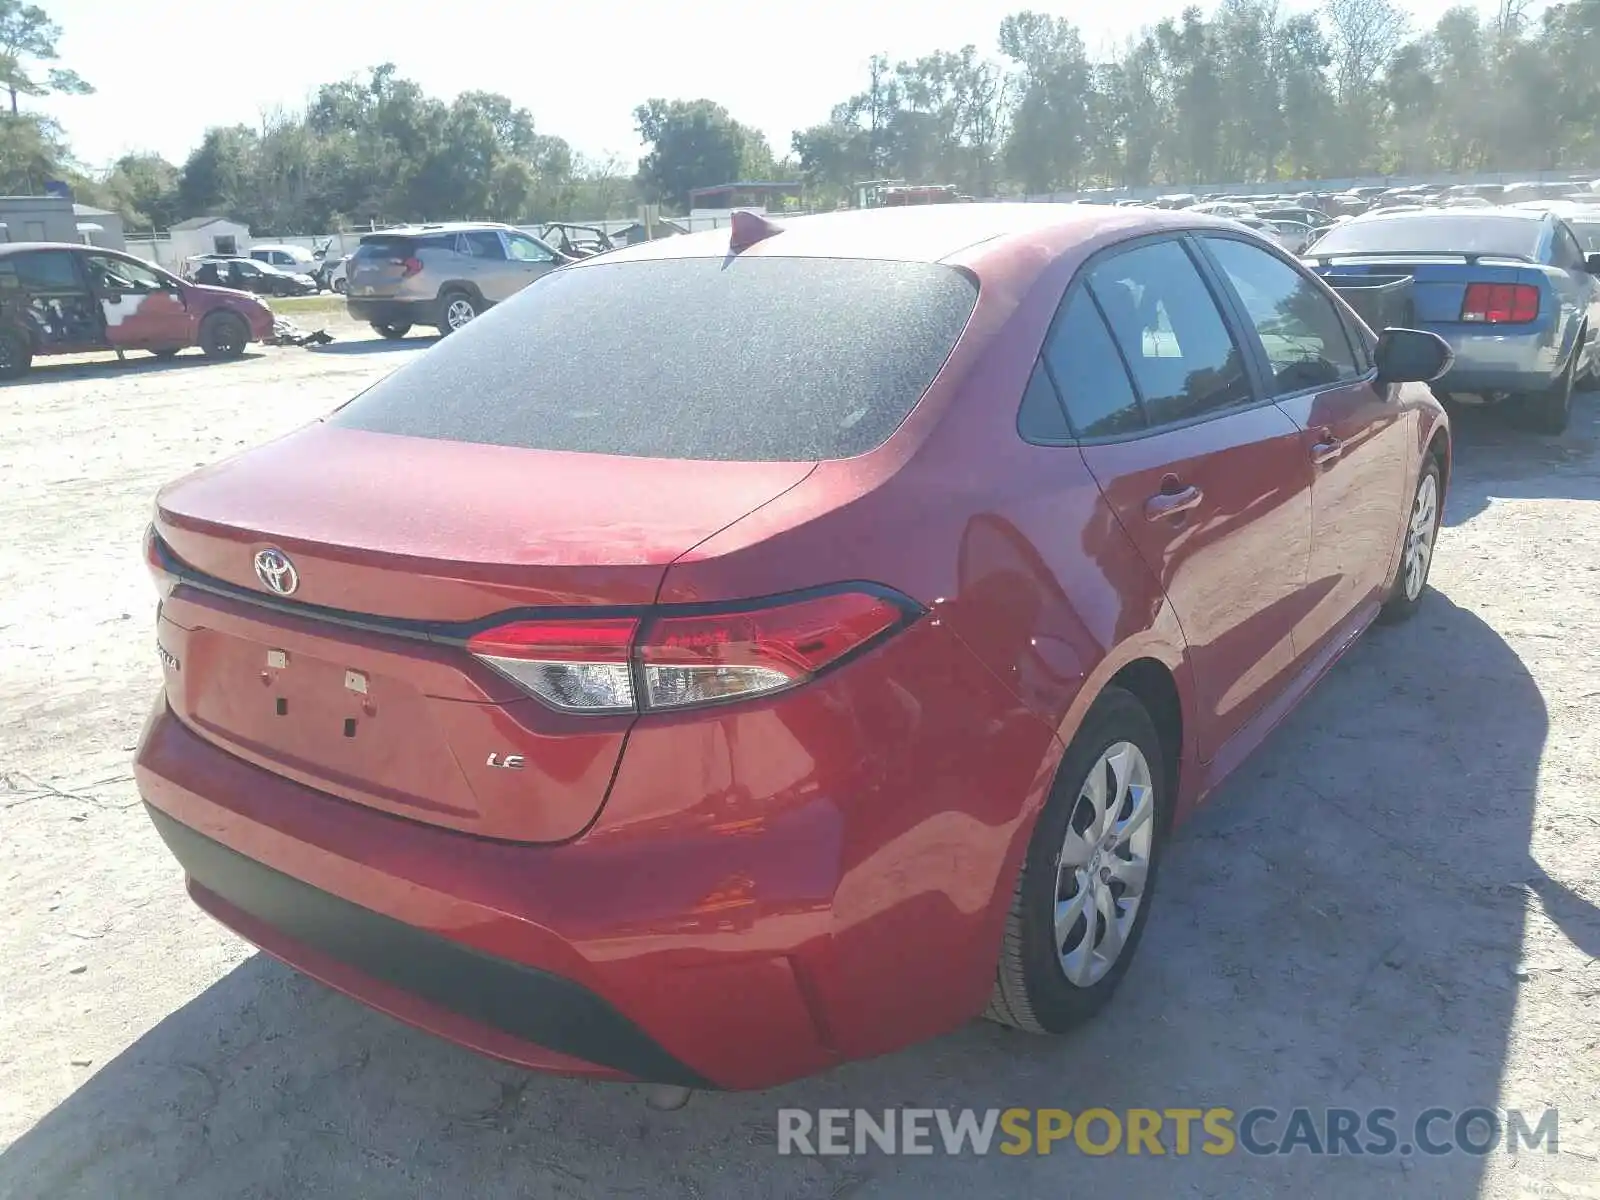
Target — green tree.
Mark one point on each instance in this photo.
(28, 38)
(32, 151)
(217, 176)
(1051, 135)
(694, 143)
(144, 188)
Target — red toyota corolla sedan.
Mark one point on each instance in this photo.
(742, 653)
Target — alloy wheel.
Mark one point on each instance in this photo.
(459, 312)
(1105, 860)
(1420, 535)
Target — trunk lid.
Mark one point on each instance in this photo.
(1439, 282)
(358, 682)
(378, 266)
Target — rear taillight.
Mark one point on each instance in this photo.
(687, 657)
(410, 266)
(155, 558)
(1500, 303)
(576, 666)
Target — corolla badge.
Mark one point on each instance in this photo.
(276, 572)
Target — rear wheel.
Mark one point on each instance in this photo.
(1550, 410)
(166, 352)
(16, 356)
(456, 310)
(1084, 893)
(393, 330)
(224, 335)
(1589, 381)
(1416, 557)
(338, 285)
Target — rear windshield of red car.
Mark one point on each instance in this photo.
(755, 359)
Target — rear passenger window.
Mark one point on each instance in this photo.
(46, 270)
(484, 243)
(1299, 327)
(1041, 418)
(1094, 384)
(1184, 361)
(1567, 254)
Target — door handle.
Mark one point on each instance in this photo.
(1328, 449)
(1170, 504)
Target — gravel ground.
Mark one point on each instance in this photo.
(1393, 904)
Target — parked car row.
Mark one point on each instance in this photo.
(250, 275)
(1358, 200)
(654, 707)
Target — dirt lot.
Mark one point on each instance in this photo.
(1393, 904)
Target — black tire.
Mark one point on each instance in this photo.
(1549, 411)
(224, 335)
(337, 287)
(1031, 988)
(393, 330)
(16, 356)
(457, 308)
(167, 353)
(1401, 604)
(1589, 381)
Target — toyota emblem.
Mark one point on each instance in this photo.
(276, 572)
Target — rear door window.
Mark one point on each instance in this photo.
(484, 243)
(759, 359)
(1565, 253)
(1089, 371)
(1041, 418)
(46, 270)
(1177, 346)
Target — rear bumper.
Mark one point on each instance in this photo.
(483, 942)
(298, 921)
(392, 312)
(1526, 362)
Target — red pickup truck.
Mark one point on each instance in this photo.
(58, 298)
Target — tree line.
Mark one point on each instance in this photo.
(1246, 93)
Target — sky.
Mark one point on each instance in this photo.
(166, 70)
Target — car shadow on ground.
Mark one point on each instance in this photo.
(1495, 459)
(375, 345)
(45, 370)
(1340, 927)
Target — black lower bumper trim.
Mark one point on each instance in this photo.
(525, 1002)
(392, 312)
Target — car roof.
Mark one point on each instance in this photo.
(1568, 209)
(1452, 214)
(966, 234)
(440, 227)
(18, 247)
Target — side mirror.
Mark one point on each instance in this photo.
(1412, 356)
(1592, 262)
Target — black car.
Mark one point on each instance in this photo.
(248, 275)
